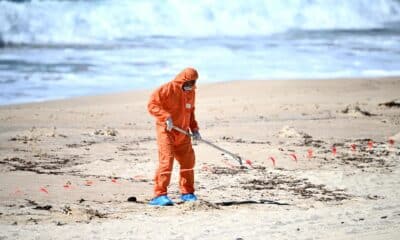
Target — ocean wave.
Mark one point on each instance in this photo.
(91, 22)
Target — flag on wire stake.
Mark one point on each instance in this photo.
(273, 160)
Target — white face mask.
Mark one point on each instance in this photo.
(188, 85)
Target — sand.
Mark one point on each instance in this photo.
(68, 167)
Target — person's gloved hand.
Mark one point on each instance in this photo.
(196, 135)
(170, 124)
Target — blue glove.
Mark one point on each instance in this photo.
(196, 135)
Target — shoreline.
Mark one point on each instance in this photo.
(210, 83)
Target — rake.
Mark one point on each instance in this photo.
(234, 156)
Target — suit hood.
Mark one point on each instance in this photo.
(188, 74)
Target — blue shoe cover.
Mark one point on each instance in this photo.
(161, 201)
(189, 197)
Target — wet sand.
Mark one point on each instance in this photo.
(322, 163)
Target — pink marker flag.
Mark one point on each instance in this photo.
(334, 150)
(249, 163)
(88, 183)
(205, 168)
(67, 185)
(17, 191)
(370, 144)
(310, 153)
(139, 177)
(294, 157)
(273, 160)
(43, 189)
(231, 166)
(353, 147)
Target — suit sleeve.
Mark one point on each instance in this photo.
(155, 106)
(193, 123)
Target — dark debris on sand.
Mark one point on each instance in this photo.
(364, 158)
(227, 171)
(43, 164)
(358, 110)
(240, 140)
(299, 187)
(390, 104)
(94, 213)
(44, 207)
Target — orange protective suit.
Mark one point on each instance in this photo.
(170, 100)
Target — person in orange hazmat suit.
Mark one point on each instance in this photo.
(172, 104)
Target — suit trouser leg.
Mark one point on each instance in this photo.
(165, 163)
(184, 154)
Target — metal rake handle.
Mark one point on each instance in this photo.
(236, 157)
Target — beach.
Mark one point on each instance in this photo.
(321, 161)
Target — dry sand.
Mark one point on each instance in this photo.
(68, 167)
